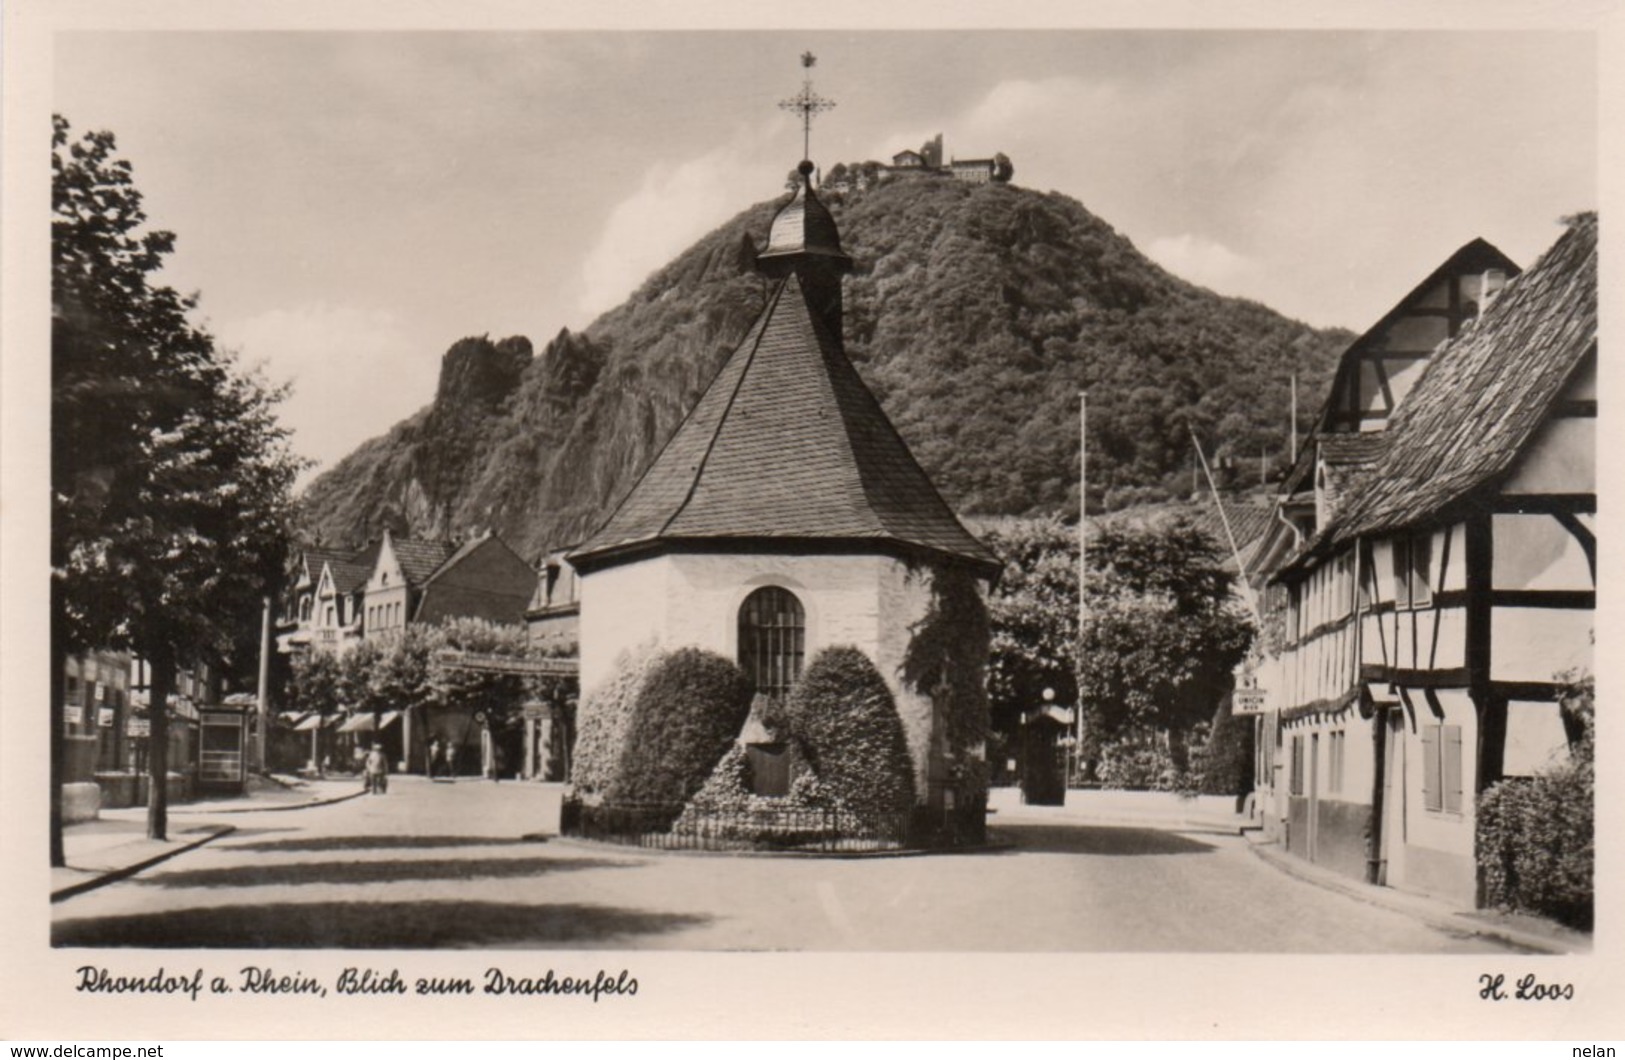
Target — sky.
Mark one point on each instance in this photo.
(349, 204)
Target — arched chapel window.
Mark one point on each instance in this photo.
(772, 640)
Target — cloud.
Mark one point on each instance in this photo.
(1204, 261)
(355, 373)
(675, 205)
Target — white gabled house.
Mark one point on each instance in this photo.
(1434, 568)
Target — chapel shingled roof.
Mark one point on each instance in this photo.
(787, 444)
(1481, 397)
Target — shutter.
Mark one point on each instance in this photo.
(1430, 768)
(1452, 768)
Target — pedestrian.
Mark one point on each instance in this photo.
(451, 760)
(377, 771)
(434, 758)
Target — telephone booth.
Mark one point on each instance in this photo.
(1045, 741)
(222, 749)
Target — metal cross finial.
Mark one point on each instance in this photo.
(807, 103)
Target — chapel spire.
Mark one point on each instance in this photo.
(803, 240)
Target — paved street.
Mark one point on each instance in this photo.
(445, 865)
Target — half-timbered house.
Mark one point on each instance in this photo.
(1444, 572)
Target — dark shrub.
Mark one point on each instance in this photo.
(688, 711)
(1535, 834)
(844, 718)
(605, 718)
(1223, 760)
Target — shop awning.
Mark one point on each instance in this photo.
(316, 721)
(364, 722)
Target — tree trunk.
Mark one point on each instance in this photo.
(163, 682)
(58, 710)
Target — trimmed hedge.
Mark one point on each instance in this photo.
(690, 707)
(1222, 759)
(845, 721)
(1536, 835)
(605, 718)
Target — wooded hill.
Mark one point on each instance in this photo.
(975, 312)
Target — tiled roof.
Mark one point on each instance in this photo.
(1352, 450)
(1249, 522)
(351, 572)
(419, 558)
(314, 558)
(787, 444)
(1482, 395)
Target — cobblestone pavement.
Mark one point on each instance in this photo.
(446, 865)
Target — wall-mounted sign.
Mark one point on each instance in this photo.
(139, 727)
(1248, 701)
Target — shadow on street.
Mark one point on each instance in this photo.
(379, 925)
(302, 873)
(376, 842)
(1105, 841)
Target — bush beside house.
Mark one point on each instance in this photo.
(1536, 835)
(690, 707)
(843, 717)
(605, 719)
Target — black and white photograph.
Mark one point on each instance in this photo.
(538, 512)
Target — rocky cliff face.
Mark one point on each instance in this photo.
(976, 313)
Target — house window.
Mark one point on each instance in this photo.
(1413, 582)
(1441, 768)
(1334, 761)
(304, 609)
(1296, 778)
(772, 640)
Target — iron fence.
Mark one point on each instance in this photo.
(675, 827)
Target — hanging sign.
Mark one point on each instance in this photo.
(138, 727)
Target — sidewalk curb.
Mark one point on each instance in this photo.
(1456, 923)
(329, 801)
(126, 871)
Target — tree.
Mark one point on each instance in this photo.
(1034, 615)
(499, 696)
(171, 479)
(317, 686)
(1161, 635)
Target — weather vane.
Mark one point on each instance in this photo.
(807, 103)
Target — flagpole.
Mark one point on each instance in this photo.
(1083, 572)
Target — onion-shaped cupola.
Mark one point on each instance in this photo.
(804, 241)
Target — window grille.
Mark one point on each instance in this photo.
(772, 640)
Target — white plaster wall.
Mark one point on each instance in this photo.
(621, 607)
(1419, 334)
(1562, 459)
(1536, 552)
(1536, 738)
(839, 594)
(1453, 574)
(1533, 643)
(1450, 833)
